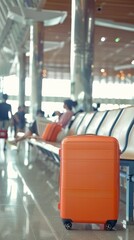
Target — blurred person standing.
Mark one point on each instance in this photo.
(5, 113)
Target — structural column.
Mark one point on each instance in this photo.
(82, 44)
(35, 66)
(22, 75)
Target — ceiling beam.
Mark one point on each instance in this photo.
(112, 24)
(5, 32)
(49, 17)
(122, 67)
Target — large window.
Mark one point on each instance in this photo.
(51, 88)
(112, 90)
(10, 86)
(54, 90)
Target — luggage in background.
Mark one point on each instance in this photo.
(51, 132)
(89, 180)
(3, 134)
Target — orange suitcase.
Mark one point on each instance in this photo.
(89, 180)
(51, 132)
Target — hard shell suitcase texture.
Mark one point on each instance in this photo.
(89, 180)
(51, 131)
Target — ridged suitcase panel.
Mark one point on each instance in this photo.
(89, 179)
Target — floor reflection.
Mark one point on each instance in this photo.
(20, 218)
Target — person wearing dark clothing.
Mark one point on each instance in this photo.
(19, 120)
(32, 129)
(5, 116)
(22, 120)
(5, 110)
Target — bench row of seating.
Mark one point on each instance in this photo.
(118, 123)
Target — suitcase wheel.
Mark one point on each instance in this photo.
(109, 225)
(67, 224)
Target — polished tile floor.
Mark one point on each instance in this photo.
(29, 199)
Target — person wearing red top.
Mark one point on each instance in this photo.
(66, 116)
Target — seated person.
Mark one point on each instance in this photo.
(63, 120)
(32, 129)
(65, 117)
